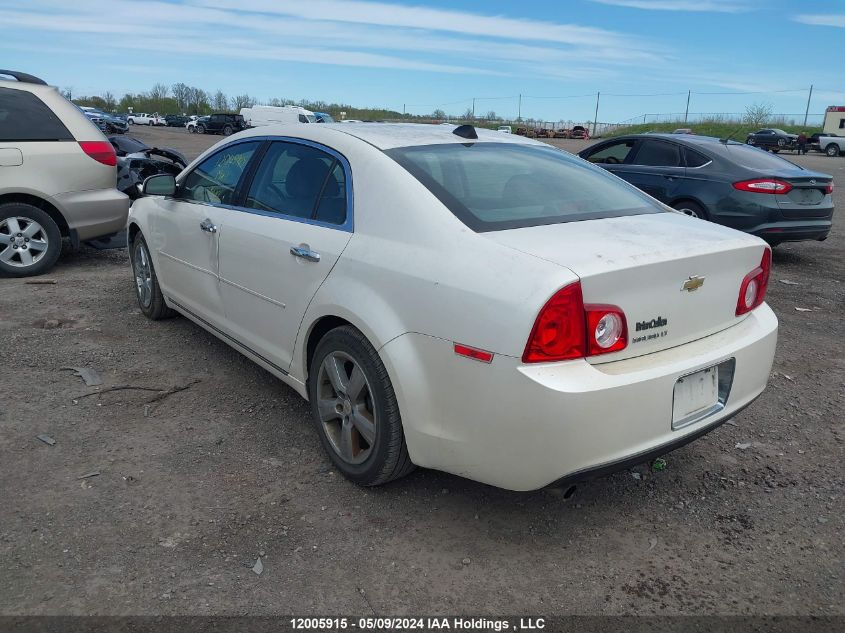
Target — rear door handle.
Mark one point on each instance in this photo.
(304, 253)
(208, 226)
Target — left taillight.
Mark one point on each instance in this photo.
(100, 151)
(764, 185)
(567, 329)
(752, 290)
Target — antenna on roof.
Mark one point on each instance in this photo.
(23, 77)
(465, 131)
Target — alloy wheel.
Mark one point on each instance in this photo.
(690, 212)
(143, 275)
(345, 406)
(23, 242)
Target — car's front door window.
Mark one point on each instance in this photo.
(216, 178)
(613, 154)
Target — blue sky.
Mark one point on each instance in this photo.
(425, 55)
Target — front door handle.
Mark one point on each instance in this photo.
(304, 253)
(208, 226)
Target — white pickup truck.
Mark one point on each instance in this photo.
(832, 145)
(140, 118)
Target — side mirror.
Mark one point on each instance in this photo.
(160, 185)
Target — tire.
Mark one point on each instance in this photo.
(227, 130)
(832, 150)
(147, 290)
(781, 142)
(692, 209)
(192, 129)
(200, 129)
(750, 141)
(21, 227)
(130, 121)
(384, 455)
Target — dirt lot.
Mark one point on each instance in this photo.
(194, 485)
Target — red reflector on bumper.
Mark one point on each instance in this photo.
(474, 354)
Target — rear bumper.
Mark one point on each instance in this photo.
(793, 230)
(94, 213)
(523, 427)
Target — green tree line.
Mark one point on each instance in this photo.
(181, 98)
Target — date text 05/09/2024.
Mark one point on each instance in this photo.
(418, 624)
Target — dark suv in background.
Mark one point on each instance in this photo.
(725, 182)
(225, 124)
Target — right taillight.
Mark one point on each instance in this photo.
(752, 290)
(764, 185)
(566, 329)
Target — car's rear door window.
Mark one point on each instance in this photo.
(656, 153)
(494, 186)
(613, 154)
(216, 179)
(24, 117)
(300, 181)
(695, 159)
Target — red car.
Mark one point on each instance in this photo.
(579, 131)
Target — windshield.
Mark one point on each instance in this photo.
(496, 186)
(755, 158)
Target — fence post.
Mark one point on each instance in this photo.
(519, 109)
(686, 114)
(596, 118)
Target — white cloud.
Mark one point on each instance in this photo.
(717, 6)
(340, 33)
(829, 19)
(393, 15)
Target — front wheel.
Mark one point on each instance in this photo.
(355, 409)
(832, 150)
(200, 129)
(147, 290)
(30, 240)
(781, 142)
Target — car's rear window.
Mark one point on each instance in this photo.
(496, 186)
(755, 158)
(24, 117)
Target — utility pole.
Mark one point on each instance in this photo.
(596, 119)
(519, 110)
(403, 110)
(473, 108)
(686, 114)
(807, 111)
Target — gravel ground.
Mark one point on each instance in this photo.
(194, 485)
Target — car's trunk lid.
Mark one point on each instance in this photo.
(676, 278)
(805, 198)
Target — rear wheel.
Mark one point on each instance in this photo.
(227, 131)
(147, 290)
(832, 150)
(30, 240)
(355, 409)
(692, 209)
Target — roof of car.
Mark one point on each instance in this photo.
(693, 139)
(392, 135)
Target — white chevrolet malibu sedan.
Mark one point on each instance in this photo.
(474, 302)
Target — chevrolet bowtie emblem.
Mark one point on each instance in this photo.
(693, 283)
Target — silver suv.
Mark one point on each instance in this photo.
(57, 177)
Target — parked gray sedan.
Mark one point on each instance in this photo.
(725, 182)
